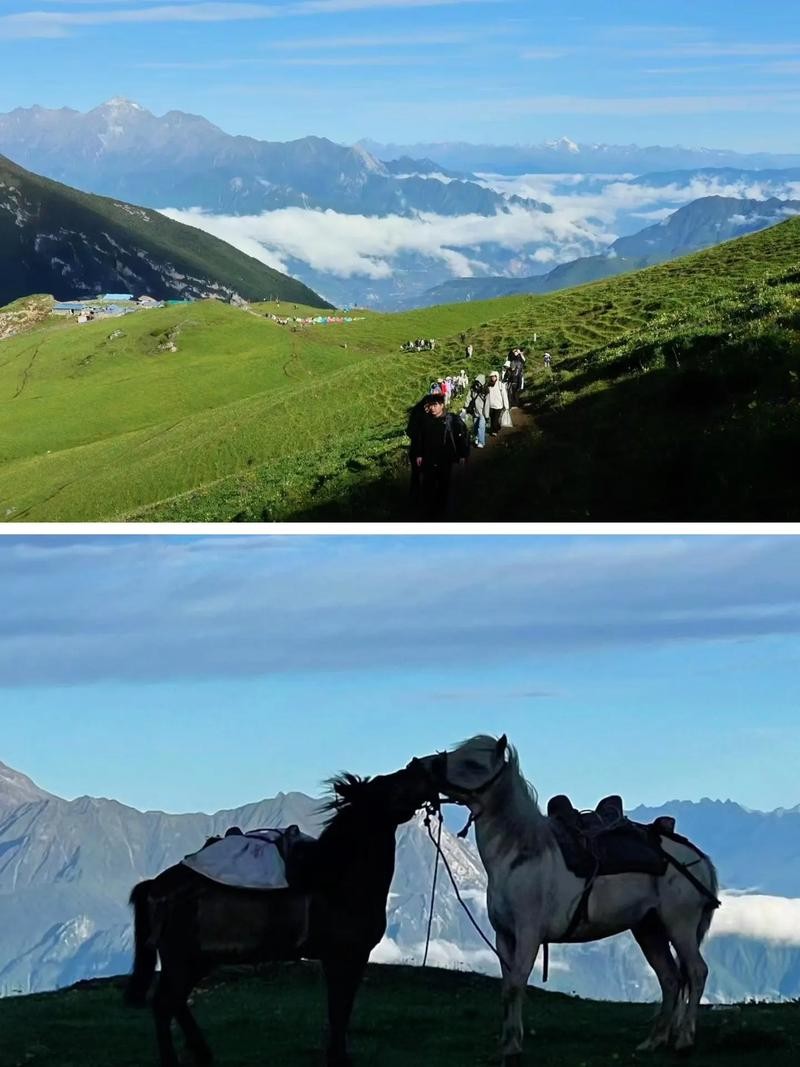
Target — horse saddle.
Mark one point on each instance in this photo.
(605, 841)
(259, 859)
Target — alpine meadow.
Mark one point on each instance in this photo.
(672, 396)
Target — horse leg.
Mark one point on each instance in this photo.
(163, 1013)
(343, 976)
(195, 1041)
(518, 955)
(694, 972)
(652, 939)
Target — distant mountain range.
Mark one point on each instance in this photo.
(462, 209)
(66, 868)
(564, 156)
(700, 224)
(57, 240)
(183, 161)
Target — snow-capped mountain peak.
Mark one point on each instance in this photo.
(563, 144)
(120, 103)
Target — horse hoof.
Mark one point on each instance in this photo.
(649, 1045)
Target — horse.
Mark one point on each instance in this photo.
(533, 898)
(333, 911)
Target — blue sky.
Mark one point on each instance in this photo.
(705, 72)
(201, 673)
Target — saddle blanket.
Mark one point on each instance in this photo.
(255, 860)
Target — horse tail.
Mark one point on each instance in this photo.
(710, 904)
(145, 955)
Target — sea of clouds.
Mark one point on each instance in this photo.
(589, 213)
(769, 920)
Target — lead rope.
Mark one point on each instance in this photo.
(438, 844)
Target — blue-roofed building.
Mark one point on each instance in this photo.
(117, 296)
(67, 307)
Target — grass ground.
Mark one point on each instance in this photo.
(403, 1016)
(673, 395)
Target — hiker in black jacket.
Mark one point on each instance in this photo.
(438, 440)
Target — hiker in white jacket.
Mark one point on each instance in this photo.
(496, 402)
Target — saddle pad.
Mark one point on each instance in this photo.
(244, 861)
(627, 849)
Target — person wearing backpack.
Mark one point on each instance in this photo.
(439, 440)
(476, 407)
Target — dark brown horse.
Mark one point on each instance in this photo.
(334, 911)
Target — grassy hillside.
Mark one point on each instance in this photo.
(402, 1016)
(58, 240)
(673, 396)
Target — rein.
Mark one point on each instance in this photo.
(438, 844)
(436, 809)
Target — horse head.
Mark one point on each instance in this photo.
(469, 770)
(392, 798)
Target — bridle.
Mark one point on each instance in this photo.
(443, 785)
(448, 788)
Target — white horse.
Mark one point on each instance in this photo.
(533, 898)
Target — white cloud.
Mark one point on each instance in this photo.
(758, 103)
(544, 53)
(40, 24)
(587, 215)
(347, 245)
(398, 40)
(739, 49)
(603, 203)
(440, 954)
(759, 918)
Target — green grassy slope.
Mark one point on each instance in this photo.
(673, 396)
(97, 241)
(403, 1015)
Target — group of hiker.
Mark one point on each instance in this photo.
(420, 344)
(451, 386)
(440, 439)
(488, 402)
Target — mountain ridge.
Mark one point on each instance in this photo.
(183, 161)
(56, 239)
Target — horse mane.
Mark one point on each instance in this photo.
(344, 791)
(524, 825)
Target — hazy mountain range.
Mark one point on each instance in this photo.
(568, 157)
(182, 161)
(66, 868)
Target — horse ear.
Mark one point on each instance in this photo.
(502, 745)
